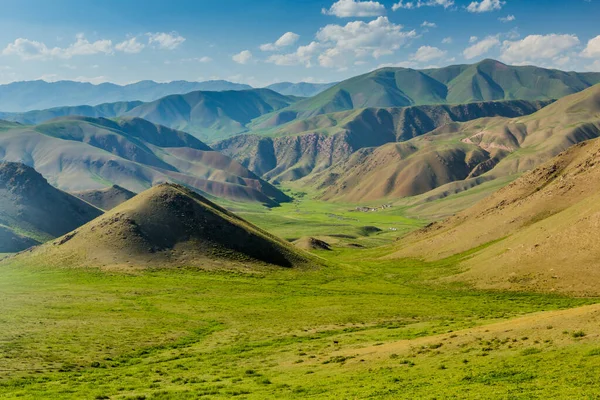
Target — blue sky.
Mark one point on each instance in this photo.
(264, 41)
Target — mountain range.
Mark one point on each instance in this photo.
(81, 153)
(38, 95)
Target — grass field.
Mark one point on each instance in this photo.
(359, 327)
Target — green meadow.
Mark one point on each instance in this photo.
(357, 327)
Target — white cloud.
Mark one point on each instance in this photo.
(428, 53)
(595, 66)
(409, 5)
(447, 40)
(401, 64)
(243, 57)
(164, 40)
(592, 50)
(32, 50)
(287, 39)
(481, 47)
(485, 6)
(302, 56)
(94, 80)
(131, 46)
(355, 8)
(473, 39)
(508, 18)
(358, 39)
(427, 24)
(538, 47)
(204, 60)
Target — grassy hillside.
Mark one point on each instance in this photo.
(32, 211)
(306, 147)
(473, 152)
(76, 153)
(487, 80)
(212, 115)
(168, 226)
(300, 89)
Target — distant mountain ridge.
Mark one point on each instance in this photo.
(40, 95)
(209, 115)
(488, 80)
(80, 153)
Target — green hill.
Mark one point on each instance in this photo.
(487, 80)
(78, 153)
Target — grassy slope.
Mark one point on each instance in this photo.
(360, 327)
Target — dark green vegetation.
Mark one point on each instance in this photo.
(78, 153)
(32, 211)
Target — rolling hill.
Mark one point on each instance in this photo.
(538, 233)
(38, 95)
(310, 146)
(169, 225)
(487, 80)
(32, 211)
(78, 153)
(472, 152)
(211, 115)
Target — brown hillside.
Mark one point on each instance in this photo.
(32, 211)
(106, 199)
(310, 243)
(545, 225)
(170, 225)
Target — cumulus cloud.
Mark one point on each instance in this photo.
(409, 5)
(508, 18)
(592, 50)
(538, 47)
(354, 8)
(447, 40)
(131, 46)
(302, 56)
(428, 53)
(243, 57)
(287, 39)
(427, 24)
(480, 47)
(31, 49)
(485, 6)
(164, 40)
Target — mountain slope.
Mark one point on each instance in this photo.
(105, 199)
(488, 80)
(107, 110)
(211, 115)
(77, 153)
(474, 152)
(300, 89)
(37, 95)
(32, 211)
(169, 225)
(542, 228)
(306, 147)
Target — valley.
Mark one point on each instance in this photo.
(405, 233)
